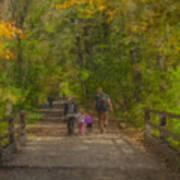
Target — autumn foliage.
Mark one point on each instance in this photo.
(8, 32)
(131, 48)
(89, 8)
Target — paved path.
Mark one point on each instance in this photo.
(51, 155)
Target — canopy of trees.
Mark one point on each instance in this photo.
(129, 47)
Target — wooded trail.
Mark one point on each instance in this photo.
(53, 49)
(51, 154)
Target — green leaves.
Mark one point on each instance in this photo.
(130, 48)
(84, 75)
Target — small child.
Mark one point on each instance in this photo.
(81, 121)
(89, 122)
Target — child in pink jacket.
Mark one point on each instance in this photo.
(81, 121)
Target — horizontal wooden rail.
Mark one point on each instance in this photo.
(171, 115)
(160, 145)
(165, 131)
(16, 130)
(162, 127)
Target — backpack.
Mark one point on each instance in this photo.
(102, 102)
(71, 108)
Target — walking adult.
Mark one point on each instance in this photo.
(70, 111)
(102, 105)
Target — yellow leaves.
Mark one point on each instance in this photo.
(4, 52)
(68, 4)
(88, 13)
(168, 45)
(135, 28)
(101, 8)
(111, 15)
(23, 36)
(90, 7)
(9, 95)
(144, 26)
(9, 55)
(131, 28)
(63, 6)
(7, 32)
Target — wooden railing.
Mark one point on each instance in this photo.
(16, 134)
(162, 127)
(159, 143)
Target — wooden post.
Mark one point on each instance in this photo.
(22, 138)
(1, 154)
(23, 123)
(11, 130)
(147, 119)
(163, 124)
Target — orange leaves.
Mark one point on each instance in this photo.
(94, 4)
(68, 4)
(88, 13)
(136, 28)
(9, 55)
(101, 8)
(4, 52)
(23, 36)
(8, 31)
(111, 15)
(90, 7)
(62, 6)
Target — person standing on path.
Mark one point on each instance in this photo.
(50, 100)
(70, 111)
(102, 105)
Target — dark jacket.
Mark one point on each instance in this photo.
(67, 107)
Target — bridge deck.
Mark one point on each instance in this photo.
(50, 154)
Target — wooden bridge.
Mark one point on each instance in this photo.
(48, 153)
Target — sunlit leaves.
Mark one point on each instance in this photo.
(10, 94)
(7, 32)
(89, 8)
